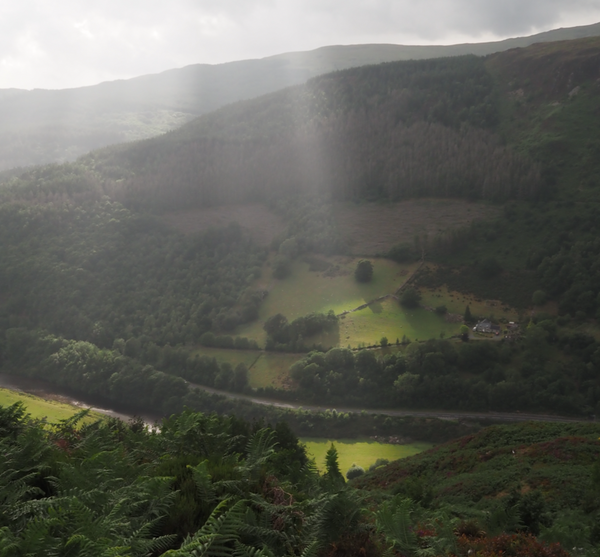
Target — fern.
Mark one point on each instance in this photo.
(259, 448)
(393, 520)
(220, 535)
(202, 479)
(504, 519)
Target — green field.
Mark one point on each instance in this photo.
(456, 302)
(40, 408)
(389, 319)
(265, 369)
(363, 453)
(306, 291)
(272, 369)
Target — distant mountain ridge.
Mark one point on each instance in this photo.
(43, 126)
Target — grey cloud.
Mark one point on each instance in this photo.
(71, 43)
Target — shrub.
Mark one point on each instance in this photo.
(363, 271)
(354, 472)
(410, 298)
(468, 317)
(207, 339)
(379, 462)
(281, 267)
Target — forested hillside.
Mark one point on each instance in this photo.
(513, 125)
(549, 112)
(81, 262)
(83, 266)
(41, 126)
(391, 131)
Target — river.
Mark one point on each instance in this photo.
(48, 390)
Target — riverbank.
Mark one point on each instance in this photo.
(52, 411)
(49, 392)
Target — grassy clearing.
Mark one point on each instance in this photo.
(513, 288)
(456, 302)
(265, 369)
(39, 408)
(272, 370)
(388, 318)
(306, 291)
(363, 453)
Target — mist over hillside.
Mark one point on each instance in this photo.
(42, 126)
(505, 126)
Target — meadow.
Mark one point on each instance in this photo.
(306, 291)
(265, 369)
(335, 288)
(272, 370)
(456, 302)
(362, 453)
(388, 319)
(40, 408)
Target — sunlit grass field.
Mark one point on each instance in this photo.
(306, 291)
(40, 408)
(362, 453)
(389, 319)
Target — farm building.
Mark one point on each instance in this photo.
(486, 326)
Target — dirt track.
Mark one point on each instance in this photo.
(441, 414)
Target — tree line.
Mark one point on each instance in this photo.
(477, 376)
(126, 377)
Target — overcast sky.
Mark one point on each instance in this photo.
(68, 43)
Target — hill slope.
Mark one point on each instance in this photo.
(42, 126)
(81, 265)
(541, 479)
(512, 125)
